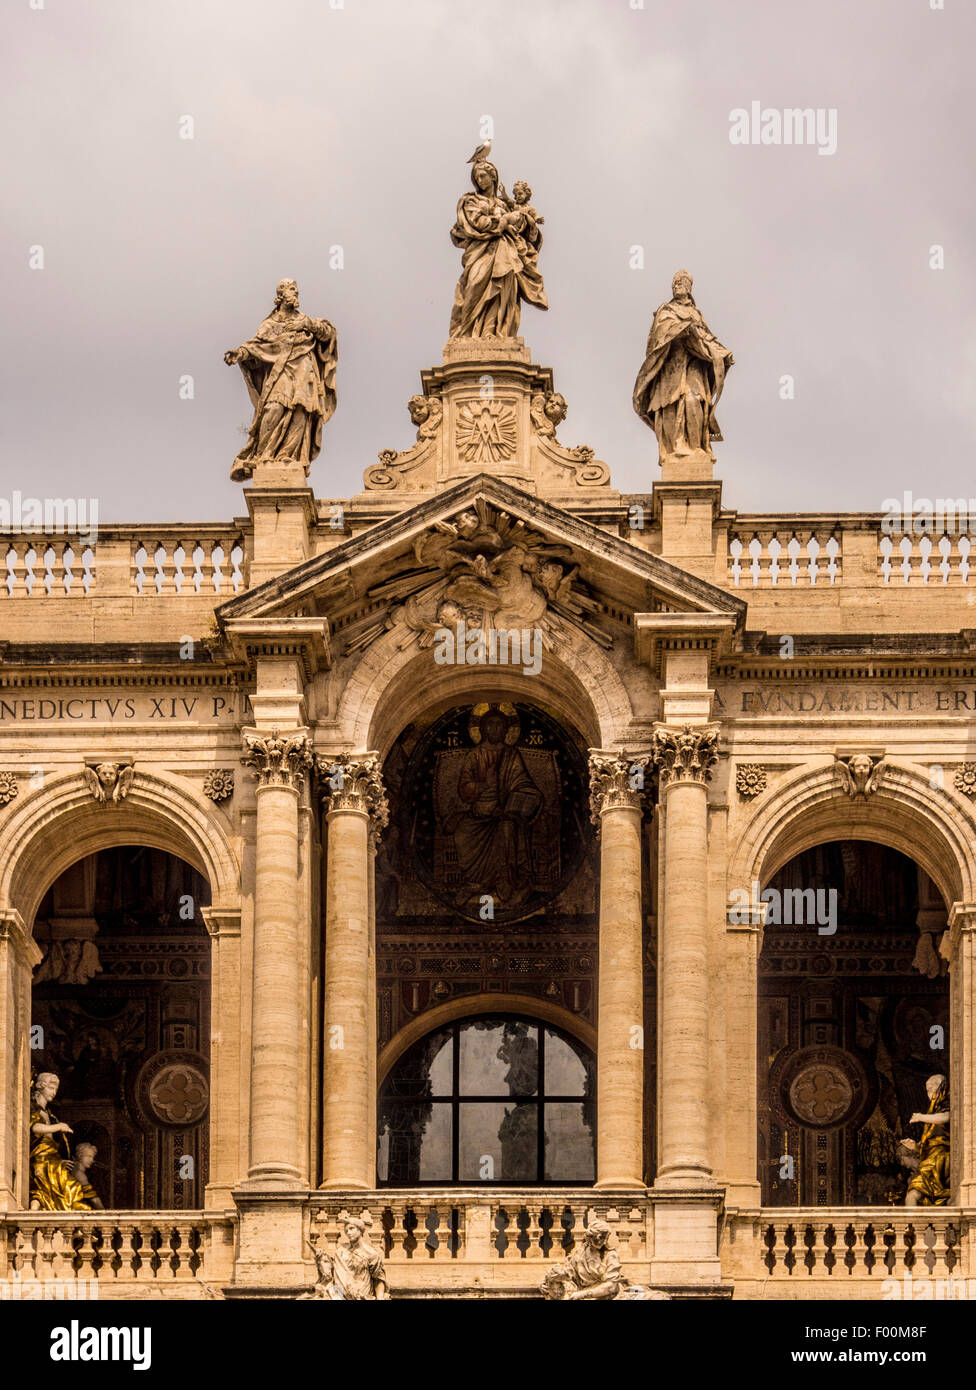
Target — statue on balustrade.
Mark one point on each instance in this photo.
(929, 1160)
(679, 385)
(55, 1181)
(500, 239)
(592, 1271)
(354, 1271)
(289, 368)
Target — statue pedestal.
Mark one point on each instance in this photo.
(282, 509)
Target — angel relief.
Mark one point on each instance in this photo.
(489, 799)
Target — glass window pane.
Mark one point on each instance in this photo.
(414, 1142)
(499, 1057)
(498, 1142)
(568, 1068)
(427, 1069)
(570, 1138)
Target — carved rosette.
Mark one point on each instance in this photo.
(278, 760)
(8, 787)
(616, 779)
(354, 782)
(685, 753)
(965, 779)
(750, 779)
(219, 784)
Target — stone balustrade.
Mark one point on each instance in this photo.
(855, 1247)
(502, 1238)
(852, 549)
(117, 1254)
(208, 563)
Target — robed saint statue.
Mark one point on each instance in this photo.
(289, 368)
(678, 387)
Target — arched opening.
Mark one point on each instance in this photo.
(853, 1020)
(498, 1098)
(120, 1013)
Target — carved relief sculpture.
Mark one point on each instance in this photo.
(289, 368)
(219, 784)
(109, 782)
(427, 413)
(750, 779)
(8, 787)
(679, 385)
(494, 574)
(860, 774)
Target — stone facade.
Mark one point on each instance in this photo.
(715, 695)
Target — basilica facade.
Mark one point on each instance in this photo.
(486, 860)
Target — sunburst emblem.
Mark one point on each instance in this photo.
(486, 431)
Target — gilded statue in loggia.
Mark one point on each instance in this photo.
(53, 1184)
(929, 1159)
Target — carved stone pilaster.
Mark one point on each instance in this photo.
(278, 760)
(354, 782)
(685, 753)
(616, 779)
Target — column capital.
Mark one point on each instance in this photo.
(961, 922)
(13, 928)
(616, 780)
(276, 759)
(354, 782)
(685, 752)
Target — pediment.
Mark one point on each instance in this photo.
(492, 554)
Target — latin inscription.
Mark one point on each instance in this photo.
(757, 700)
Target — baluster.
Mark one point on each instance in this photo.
(203, 577)
(734, 557)
(167, 568)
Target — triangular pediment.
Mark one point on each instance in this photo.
(482, 547)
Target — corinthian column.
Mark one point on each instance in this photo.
(280, 762)
(616, 784)
(353, 790)
(684, 756)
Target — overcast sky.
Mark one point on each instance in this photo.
(317, 127)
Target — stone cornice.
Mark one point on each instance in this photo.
(658, 633)
(305, 639)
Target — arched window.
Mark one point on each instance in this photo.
(500, 1099)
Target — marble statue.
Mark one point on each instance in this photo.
(928, 1161)
(679, 385)
(54, 1185)
(592, 1271)
(500, 239)
(289, 367)
(353, 1271)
